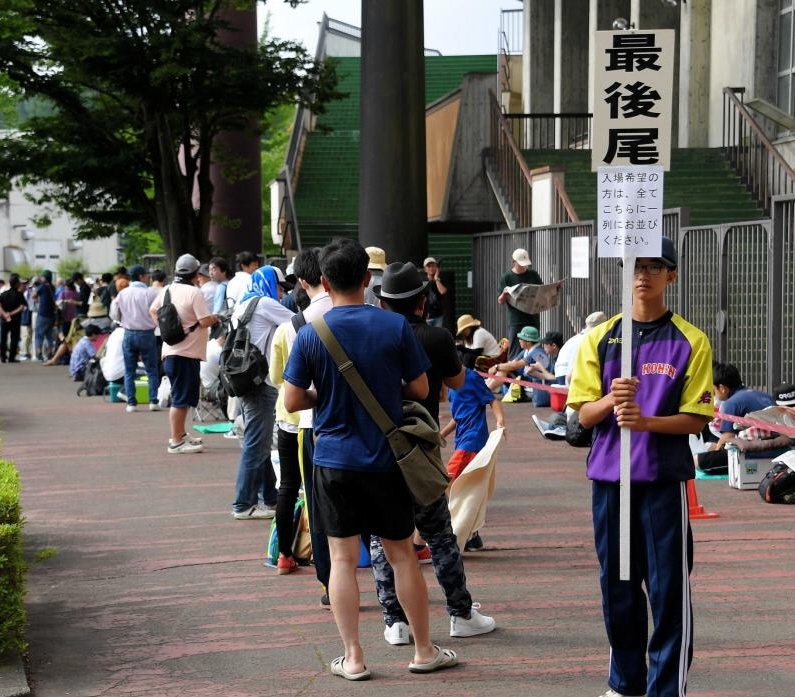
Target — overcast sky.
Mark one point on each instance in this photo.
(454, 27)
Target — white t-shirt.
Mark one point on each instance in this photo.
(485, 342)
(268, 315)
(568, 354)
(238, 285)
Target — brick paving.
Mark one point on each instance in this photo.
(153, 589)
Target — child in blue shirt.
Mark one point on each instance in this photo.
(468, 417)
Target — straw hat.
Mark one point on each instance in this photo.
(465, 321)
(96, 309)
(377, 258)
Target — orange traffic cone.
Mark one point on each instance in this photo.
(695, 509)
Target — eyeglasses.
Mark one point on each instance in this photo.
(651, 269)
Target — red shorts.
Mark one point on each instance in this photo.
(458, 462)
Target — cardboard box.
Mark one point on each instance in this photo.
(746, 472)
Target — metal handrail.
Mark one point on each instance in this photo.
(511, 168)
(751, 154)
(540, 131)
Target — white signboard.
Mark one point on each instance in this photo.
(630, 211)
(580, 257)
(633, 93)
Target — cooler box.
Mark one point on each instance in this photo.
(746, 472)
(142, 391)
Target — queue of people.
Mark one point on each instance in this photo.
(329, 445)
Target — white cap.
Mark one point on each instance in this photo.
(521, 257)
(595, 319)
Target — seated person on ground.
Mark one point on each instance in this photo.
(477, 346)
(531, 353)
(736, 400)
(85, 349)
(543, 371)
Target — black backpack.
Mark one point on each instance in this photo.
(243, 367)
(171, 329)
(94, 382)
(778, 485)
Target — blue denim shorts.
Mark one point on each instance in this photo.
(185, 380)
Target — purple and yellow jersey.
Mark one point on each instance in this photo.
(673, 361)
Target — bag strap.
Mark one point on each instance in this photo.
(348, 370)
(245, 318)
(298, 320)
(167, 301)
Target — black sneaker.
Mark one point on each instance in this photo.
(324, 601)
(473, 543)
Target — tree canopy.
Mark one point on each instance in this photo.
(132, 95)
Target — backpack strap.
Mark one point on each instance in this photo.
(245, 318)
(298, 320)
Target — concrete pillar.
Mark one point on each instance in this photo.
(694, 64)
(656, 15)
(601, 14)
(571, 36)
(538, 75)
(392, 185)
(237, 201)
(544, 196)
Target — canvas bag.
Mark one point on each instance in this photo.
(416, 442)
(243, 367)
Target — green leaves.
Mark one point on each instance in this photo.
(130, 97)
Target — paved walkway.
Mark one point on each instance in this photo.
(145, 585)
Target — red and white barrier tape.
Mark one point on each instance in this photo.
(563, 389)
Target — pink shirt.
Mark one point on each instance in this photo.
(191, 307)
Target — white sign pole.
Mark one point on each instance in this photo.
(632, 130)
(626, 434)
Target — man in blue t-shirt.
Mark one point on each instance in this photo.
(358, 486)
(736, 400)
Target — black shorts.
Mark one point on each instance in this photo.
(349, 503)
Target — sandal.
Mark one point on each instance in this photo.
(445, 658)
(338, 668)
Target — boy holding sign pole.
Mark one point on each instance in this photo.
(667, 397)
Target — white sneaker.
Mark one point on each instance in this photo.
(130, 408)
(257, 512)
(154, 406)
(184, 447)
(193, 440)
(476, 624)
(397, 634)
(613, 693)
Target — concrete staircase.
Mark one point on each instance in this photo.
(699, 179)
